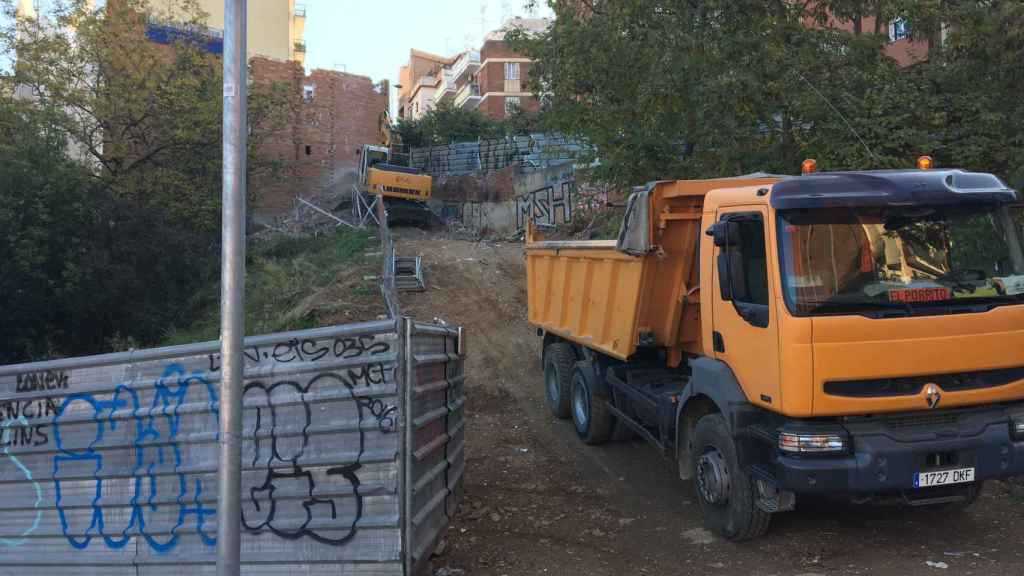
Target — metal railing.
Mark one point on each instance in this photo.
(469, 61)
(467, 95)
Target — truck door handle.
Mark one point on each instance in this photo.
(717, 341)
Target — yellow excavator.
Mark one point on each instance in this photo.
(403, 190)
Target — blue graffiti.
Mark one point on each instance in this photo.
(5, 436)
(155, 442)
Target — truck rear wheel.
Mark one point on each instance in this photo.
(725, 490)
(590, 412)
(558, 362)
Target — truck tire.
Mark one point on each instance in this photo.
(558, 363)
(725, 491)
(590, 414)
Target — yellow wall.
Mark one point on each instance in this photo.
(273, 29)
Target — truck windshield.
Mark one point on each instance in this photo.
(908, 260)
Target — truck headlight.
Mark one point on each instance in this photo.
(1017, 428)
(798, 443)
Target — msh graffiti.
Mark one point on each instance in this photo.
(549, 205)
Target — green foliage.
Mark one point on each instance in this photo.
(283, 276)
(977, 82)
(146, 115)
(446, 124)
(82, 266)
(721, 87)
(110, 207)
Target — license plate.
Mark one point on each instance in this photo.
(943, 477)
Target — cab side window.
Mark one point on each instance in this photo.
(743, 266)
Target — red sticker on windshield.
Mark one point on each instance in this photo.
(931, 294)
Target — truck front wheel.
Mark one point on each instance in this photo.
(558, 362)
(725, 490)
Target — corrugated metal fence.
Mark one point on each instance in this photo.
(352, 437)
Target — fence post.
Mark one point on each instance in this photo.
(408, 382)
(232, 299)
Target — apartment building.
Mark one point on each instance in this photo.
(274, 29)
(417, 83)
(492, 79)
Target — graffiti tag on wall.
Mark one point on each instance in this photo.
(549, 205)
(125, 457)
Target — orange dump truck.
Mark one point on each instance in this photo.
(857, 335)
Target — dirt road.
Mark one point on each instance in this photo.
(540, 502)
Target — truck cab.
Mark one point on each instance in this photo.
(857, 335)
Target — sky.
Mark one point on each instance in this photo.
(373, 38)
(359, 37)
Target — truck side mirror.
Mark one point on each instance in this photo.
(719, 232)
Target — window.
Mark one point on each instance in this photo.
(309, 150)
(898, 29)
(512, 83)
(308, 91)
(879, 262)
(511, 105)
(743, 267)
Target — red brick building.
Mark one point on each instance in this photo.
(493, 78)
(503, 74)
(335, 114)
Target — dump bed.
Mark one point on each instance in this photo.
(613, 296)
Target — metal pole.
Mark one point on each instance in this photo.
(232, 292)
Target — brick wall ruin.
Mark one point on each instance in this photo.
(336, 113)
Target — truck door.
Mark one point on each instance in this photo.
(745, 326)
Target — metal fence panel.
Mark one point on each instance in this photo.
(435, 436)
(109, 461)
(536, 150)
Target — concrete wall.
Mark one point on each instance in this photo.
(501, 202)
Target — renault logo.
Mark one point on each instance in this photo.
(933, 396)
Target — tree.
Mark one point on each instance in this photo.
(446, 124)
(110, 207)
(726, 87)
(977, 81)
(145, 115)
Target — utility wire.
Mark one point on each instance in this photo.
(840, 114)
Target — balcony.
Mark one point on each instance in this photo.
(468, 97)
(446, 89)
(468, 63)
(300, 47)
(300, 11)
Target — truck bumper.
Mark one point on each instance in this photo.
(885, 454)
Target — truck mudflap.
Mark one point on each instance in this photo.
(909, 454)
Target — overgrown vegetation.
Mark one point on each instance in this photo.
(294, 283)
(680, 89)
(446, 124)
(110, 167)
